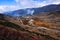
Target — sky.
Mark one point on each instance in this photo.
(10, 5)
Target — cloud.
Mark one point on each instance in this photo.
(21, 4)
(32, 3)
(5, 8)
(28, 3)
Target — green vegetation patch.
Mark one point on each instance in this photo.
(9, 24)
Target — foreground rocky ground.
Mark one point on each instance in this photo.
(8, 33)
(11, 31)
(45, 27)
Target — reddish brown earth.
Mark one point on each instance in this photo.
(7, 33)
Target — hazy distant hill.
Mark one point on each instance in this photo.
(48, 8)
(31, 11)
(20, 12)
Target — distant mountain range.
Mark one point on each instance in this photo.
(21, 12)
(48, 8)
(33, 11)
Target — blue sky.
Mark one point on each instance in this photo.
(10, 5)
(39, 0)
(7, 2)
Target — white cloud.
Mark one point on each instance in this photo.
(4, 8)
(20, 4)
(31, 3)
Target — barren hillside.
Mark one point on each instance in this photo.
(36, 25)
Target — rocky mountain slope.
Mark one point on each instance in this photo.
(40, 27)
(11, 31)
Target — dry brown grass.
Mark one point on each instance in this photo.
(43, 23)
(37, 22)
(7, 33)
